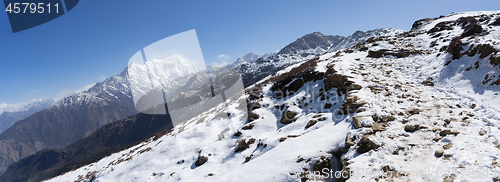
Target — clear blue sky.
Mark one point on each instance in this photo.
(97, 38)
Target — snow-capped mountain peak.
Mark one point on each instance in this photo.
(250, 57)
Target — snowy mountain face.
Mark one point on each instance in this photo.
(10, 114)
(420, 106)
(250, 57)
(304, 48)
(67, 121)
(156, 81)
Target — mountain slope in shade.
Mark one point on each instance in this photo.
(11, 114)
(417, 106)
(110, 138)
(67, 121)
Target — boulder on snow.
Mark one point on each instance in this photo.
(387, 118)
(413, 111)
(201, 160)
(252, 116)
(439, 153)
(428, 82)
(366, 145)
(412, 128)
(243, 144)
(448, 132)
(288, 117)
(482, 132)
(312, 122)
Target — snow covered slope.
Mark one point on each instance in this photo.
(417, 106)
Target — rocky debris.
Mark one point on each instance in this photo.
(354, 87)
(473, 106)
(352, 103)
(356, 121)
(379, 127)
(288, 83)
(288, 117)
(447, 146)
(352, 99)
(413, 111)
(448, 132)
(441, 26)
(428, 82)
(412, 128)
(376, 89)
(201, 160)
(253, 105)
(365, 145)
(349, 141)
(387, 118)
(252, 116)
(282, 139)
(386, 168)
(248, 127)
(495, 164)
(482, 132)
(311, 122)
(496, 22)
(328, 105)
(439, 153)
(470, 26)
(455, 47)
(336, 81)
(243, 144)
(401, 53)
(437, 138)
(449, 178)
(248, 158)
(255, 93)
(321, 164)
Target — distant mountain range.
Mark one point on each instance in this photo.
(67, 121)
(304, 48)
(10, 114)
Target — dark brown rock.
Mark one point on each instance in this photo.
(366, 145)
(201, 160)
(412, 128)
(243, 144)
(312, 122)
(428, 82)
(288, 117)
(439, 153)
(387, 118)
